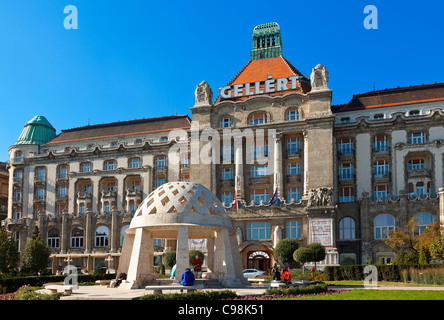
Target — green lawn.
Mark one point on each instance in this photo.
(371, 294)
(380, 284)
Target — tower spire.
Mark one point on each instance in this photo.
(267, 42)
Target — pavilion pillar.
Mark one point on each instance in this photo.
(182, 252)
(141, 263)
(210, 257)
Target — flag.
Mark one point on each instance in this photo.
(274, 199)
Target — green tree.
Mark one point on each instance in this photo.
(9, 255)
(424, 257)
(170, 259)
(36, 254)
(436, 248)
(284, 250)
(317, 251)
(302, 255)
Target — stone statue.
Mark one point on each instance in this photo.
(320, 197)
(204, 95)
(319, 78)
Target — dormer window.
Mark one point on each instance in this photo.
(345, 120)
(414, 113)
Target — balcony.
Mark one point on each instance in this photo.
(419, 173)
(381, 175)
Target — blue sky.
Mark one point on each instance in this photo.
(138, 59)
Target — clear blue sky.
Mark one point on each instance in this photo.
(137, 59)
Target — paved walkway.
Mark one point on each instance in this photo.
(104, 293)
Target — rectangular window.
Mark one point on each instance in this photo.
(134, 163)
(160, 181)
(346, 195)
(259, 171)
(61, 191)
(380, 144)
(345, 146)
(40, 174)
(294, 194)
(293, 168)
(62, 171)
(346, 172)
(110, 165)
(258, 195)
(227, 174)
(40, 193)
(225, 122)
(227, 153)
(382, 192)
(380, 169)
(417, 137)
(416, 164)
(161, 163)
(85, 167)
(227, 197)
(293, 146)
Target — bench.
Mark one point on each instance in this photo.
(301, 283)
(54, 288)
(160, 289)
(256, 280)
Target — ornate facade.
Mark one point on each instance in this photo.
(283, 161)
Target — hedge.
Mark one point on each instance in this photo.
(11, 284)
(198, 295)
(315, 287)
(390, 272)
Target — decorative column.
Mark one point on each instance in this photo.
(210, 257)
(182, 252)
(88, 234)
(239, 172)
(441, 205)
(115, 235)
(65, 232)
(278, 184)
(306, 191)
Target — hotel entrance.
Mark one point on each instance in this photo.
(259, 260)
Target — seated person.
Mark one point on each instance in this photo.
(187, 278)
(277, 275)
(286, 277)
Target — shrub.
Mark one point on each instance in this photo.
(198, 295)
(313, 288)
(29, 293)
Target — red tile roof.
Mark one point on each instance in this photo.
(259, 70)
(123, 128)
(393, 97)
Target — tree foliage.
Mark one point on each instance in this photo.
(170, 259)
(284, 250)
(9, 254)
(36, 255)
(436, 248)
(409, 239)
(318, 252)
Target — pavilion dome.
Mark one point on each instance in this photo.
(176, 203)
(37, 131)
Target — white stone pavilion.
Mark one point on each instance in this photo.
(182, 211)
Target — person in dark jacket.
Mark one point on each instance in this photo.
(187, 278)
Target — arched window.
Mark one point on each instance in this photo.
(424, 219)
(258, 231)
(122, 233)
(257, 118)
(292, 114)
(77, 238)
(226, 122)
(347, 229)
(102, 237)
(294, 229)
(53, 239)
(383, 223)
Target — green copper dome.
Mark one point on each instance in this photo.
(37, 131)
